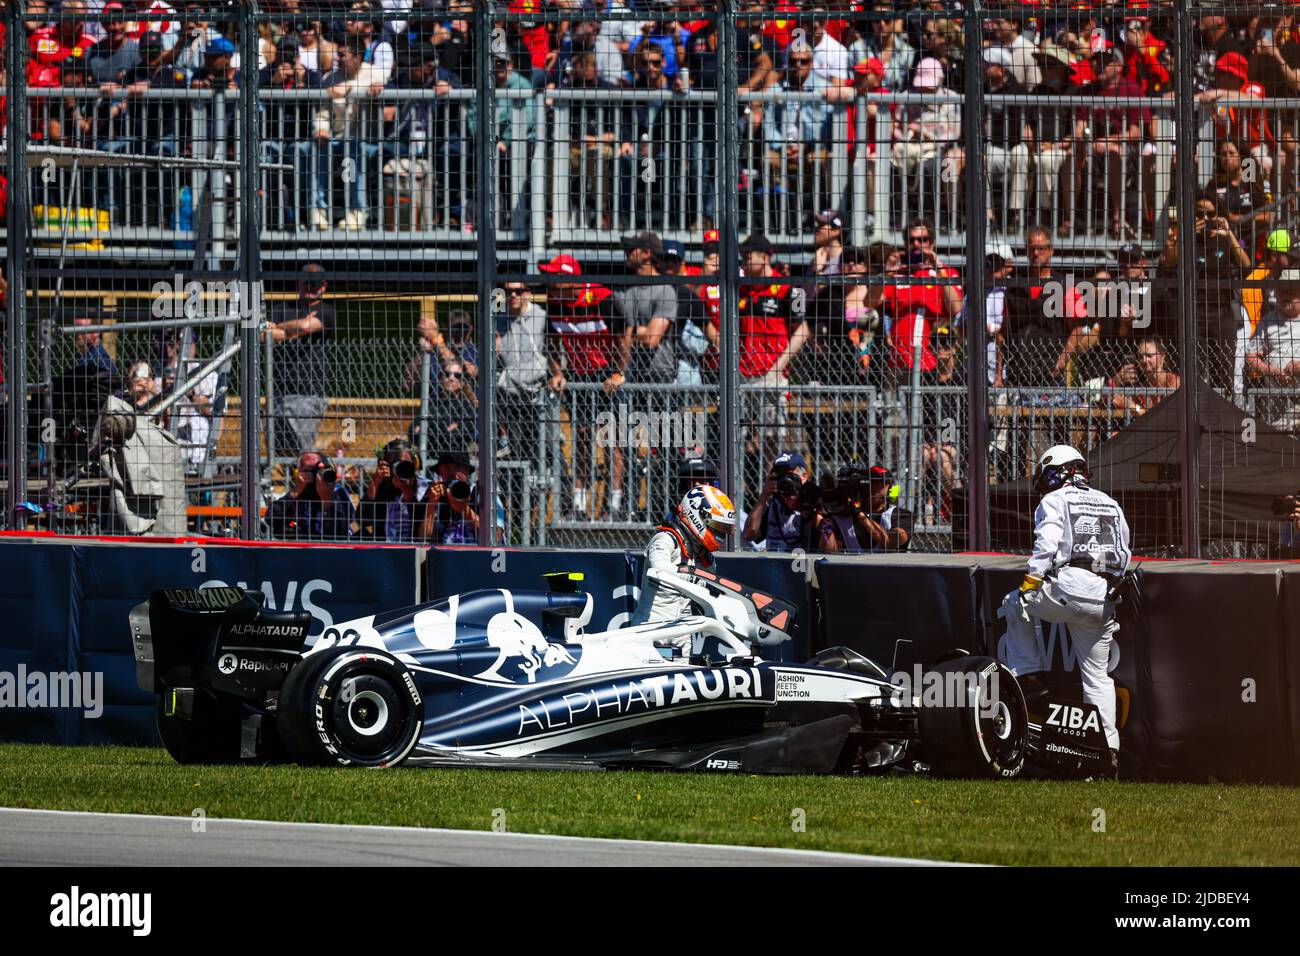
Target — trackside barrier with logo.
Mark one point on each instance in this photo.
(1206, 662)
(65, 608)
(612, 578)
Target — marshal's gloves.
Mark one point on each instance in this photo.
(1030, 584)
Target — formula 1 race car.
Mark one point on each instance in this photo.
(508, 678)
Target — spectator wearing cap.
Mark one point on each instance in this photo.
(1146, 58)
(508, 132)
(776, 522)
(798, 133)
(1052, 129)
(1138, 308)
(438, 350)
(875, 525)
(521, 358)
(1273, 356)
(649, 320)
(843, 327)
(771, 335)
(690, 339)
(586, 346)
(312, 508)
(913, 309)
(448, 517)
(925, 134)
(1108, 138)
(347, 127)
(217, 71)
(1023, 66)
(1258, 296)
(300, 368)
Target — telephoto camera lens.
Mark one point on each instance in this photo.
(329, 476)
(404, 470)
(459, 489)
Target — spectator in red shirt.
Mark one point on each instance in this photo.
(1146, 58)
(772, 331)
(586, 345)
(914, 309)
(1108, 138)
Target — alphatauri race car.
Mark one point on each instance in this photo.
(509, 678)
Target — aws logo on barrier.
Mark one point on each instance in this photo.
(1050, 636)
(297, 596)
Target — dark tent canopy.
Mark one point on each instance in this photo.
(1245, 465)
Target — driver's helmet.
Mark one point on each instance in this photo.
(707, 516)
(1058, 466)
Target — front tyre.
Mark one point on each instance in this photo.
(352, 707)
(979, 727)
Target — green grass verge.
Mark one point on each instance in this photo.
(1022, 822)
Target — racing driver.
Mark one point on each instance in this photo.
(688, 535)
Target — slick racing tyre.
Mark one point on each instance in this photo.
(349, 706)
(979, 727)
(214, 738)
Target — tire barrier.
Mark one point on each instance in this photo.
(1206, 661)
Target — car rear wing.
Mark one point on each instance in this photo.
(222, 638)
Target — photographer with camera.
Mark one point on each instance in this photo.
(393, 506)
(782, 518)
(862, 514)
(316, 507)
(450, 515)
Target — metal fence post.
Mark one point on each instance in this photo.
(250, 486)
(729, 224)
(1188, 353)
(15, 362)
(485, 175)
(977, 498)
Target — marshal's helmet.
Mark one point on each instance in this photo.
(707, 516)
(1061, 465)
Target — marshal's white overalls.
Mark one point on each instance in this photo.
(1081, 545)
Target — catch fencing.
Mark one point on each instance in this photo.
(231, 291)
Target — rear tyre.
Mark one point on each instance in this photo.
(980, 727)
(351, 707)
(213, 739)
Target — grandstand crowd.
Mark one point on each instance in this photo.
(1102, 332)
